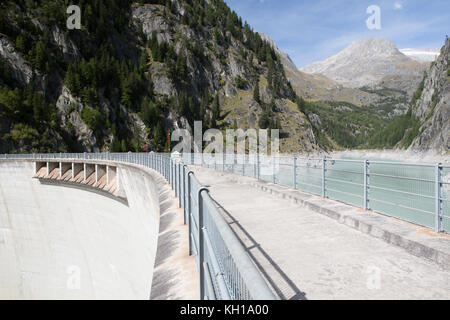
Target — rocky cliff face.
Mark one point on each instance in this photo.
(373, 63)
(432, 107)
(133, 71)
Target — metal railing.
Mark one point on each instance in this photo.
(415, 192)
(225, 269)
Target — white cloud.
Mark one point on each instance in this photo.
(398, 5)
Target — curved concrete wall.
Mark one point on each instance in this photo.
(67, 243)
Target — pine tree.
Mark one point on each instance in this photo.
(181, 67)
(126, 97)
(301, 103)
(21, 43)
(215, 112)
(256, 95)
(123, 145)
(39, 57)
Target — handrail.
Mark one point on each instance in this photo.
(410, 185)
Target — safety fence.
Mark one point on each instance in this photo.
(415, 192)
(225, 269)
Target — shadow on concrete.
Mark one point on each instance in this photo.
(84, 187)
(168, 243)
(298, 294)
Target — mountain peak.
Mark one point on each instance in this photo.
(366, 63)
(381, 46)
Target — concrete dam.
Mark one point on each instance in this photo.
(150, 226)
(67, 233)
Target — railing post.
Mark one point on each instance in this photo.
(171, 173)
(176, 180)
(295, 172)
(184, 193)
(189, 212)
(232, 165)
(201, 242)
(258, 165)
(179, 184)
(324, 164)
(438, 196)
(366, 185)
(274, 178)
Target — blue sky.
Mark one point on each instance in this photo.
(313, 30)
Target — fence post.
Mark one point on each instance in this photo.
(176, 179)
(274, 178)
(184, 193)
(232, 165)
(258, 166)
(295, 173)
(189, 212)
(438, 196)
(366, 184)
(179, 185)
(171, 173)
(254, 165)
(201, 242)
(324, 164)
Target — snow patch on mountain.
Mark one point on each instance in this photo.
(421, 55)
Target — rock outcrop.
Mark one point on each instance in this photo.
(20, 70)
(433, 106)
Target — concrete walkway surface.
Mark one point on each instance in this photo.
(307, 255)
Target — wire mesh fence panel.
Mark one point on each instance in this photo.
(445, 201)
(309, 175)
(221, 261)
(284, 171)
(403, 190)
(344, 181)
(406, 191)
(193, 220)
